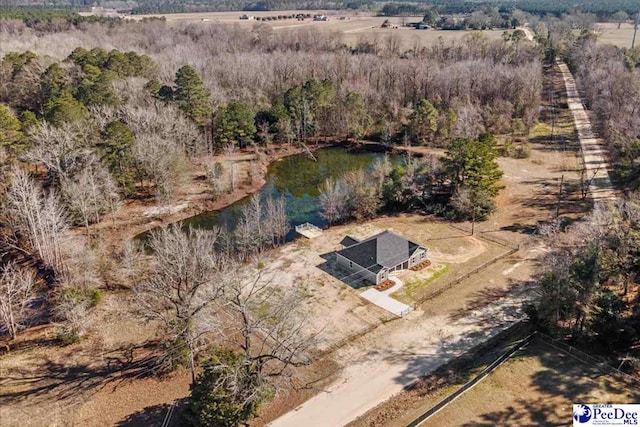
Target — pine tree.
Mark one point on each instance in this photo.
(471, 165)
(191, 95)
(235, 124)
(10, 130)
(117, 140)
(424, 121)
(64, 109)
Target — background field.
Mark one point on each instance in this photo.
(610, 34)
(352, 29)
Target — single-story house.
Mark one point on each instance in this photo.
(374, 258)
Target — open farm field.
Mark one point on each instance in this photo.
(351, 28)
(609, 33)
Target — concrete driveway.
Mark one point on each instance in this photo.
(382, 299)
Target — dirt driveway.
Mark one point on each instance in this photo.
(382, 363)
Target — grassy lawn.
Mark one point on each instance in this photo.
(410, 289)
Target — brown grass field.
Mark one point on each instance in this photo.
(610, 34)
(351, 27)
(536, 387)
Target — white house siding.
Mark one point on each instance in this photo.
(417, 257)
(382, 275)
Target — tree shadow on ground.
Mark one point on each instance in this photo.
(446, 349)
(156, 415)
(560, 376)
(488, 296)
(522, 228)
(63, 380)
(491, 311)
(523, 413)
(543, 143)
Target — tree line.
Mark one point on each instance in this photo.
(143, 128)
(589, 283)
(609, 80)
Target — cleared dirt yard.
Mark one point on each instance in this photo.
(335, 306)
(536, 387)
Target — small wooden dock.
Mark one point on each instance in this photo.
(308, 230)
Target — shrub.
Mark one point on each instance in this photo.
(68, 337)
(507, 149)
(82, 296)
(521, 151)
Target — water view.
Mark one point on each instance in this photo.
(298, 179)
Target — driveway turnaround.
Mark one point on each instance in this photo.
(383, 300)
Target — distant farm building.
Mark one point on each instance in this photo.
(104, 12)
(373, 259)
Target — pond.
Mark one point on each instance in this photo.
(297, 178)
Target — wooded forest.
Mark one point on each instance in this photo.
(96, 115)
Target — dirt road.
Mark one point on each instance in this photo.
(395, 355)
(527, 32)
(593, 150)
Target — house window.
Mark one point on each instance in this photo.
(350, 264)
(422, 255)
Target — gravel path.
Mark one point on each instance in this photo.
(593, 149)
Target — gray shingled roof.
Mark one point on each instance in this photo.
(349, 241)
(383, 250)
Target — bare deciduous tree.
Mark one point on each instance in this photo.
(334, 200)
(231, 166)
(60, 150)
(186, 278)
(16, 293)
(364, 195)
(276, 220)
(273, 332)
(39, 217)
(262, 224)
(90, 193)
(215, 173)
(160, 161)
